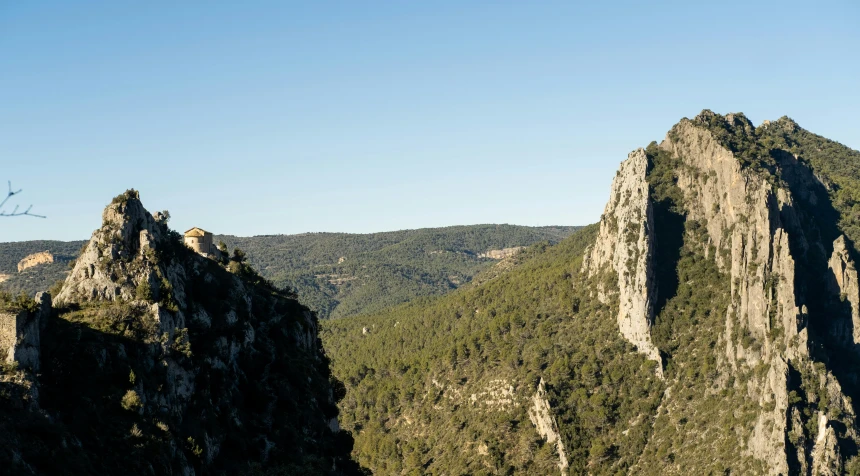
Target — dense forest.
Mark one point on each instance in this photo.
(340, 274)
(431, 368)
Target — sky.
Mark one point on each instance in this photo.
(258, 117)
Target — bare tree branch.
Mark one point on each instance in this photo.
(15, 212)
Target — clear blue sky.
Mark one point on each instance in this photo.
(286, 117)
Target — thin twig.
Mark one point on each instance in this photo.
(15, 212)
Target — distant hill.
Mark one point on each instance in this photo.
(335, 274)
(341, 274)
(40, 277)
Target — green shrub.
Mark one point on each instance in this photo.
(144, 291)
(131, 401)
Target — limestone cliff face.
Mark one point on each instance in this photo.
(208, 371)
(753, 229)
(35, 259)
(747, 224)
(760, 229)
(843, 283)
(502, 253)
(541, 417)
(624, 246)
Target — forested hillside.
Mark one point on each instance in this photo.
(443, 385)
(340, 274)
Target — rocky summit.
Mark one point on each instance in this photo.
(155, 360)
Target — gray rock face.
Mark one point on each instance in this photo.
(45, 304)
(105, 269)
(122, 258)
(825, 454)
(751, 224)
(541, 417)
(625, 246)
(745, 223)
(844, 284)
(20, 335)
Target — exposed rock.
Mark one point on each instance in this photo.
(844, 283)
(35, 259)
(625, 246)
(4, 277)
(105, 270)
(826, 460)
(768, 438)
(43, 299)
(502, 253)
(20, 341)
(541, 417)
(497, 393)
(752, 223)
(746, 223)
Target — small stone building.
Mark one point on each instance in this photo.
(200, 241)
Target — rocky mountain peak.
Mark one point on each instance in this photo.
(122, 259)
(753, 209)
(153, 346)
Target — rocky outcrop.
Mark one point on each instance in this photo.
(541, 417)
(825, 454)
(625, 247)
(754, 233)
(20, 331)
(107, 268)
(747, 224)
(502, 253)
(35, 259)
(843, 283)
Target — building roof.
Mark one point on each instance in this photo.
(197, 232)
